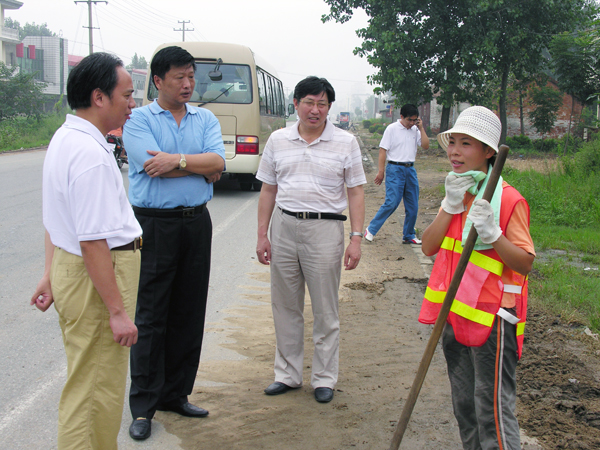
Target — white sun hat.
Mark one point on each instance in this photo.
(477, 122)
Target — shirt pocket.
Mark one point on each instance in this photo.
(328, 173)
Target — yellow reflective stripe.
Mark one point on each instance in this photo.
(479, 259)
(521, 328)
(448, 243)
(434, 296)
(487, 263)
(472, 314)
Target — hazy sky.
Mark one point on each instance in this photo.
(287, 33)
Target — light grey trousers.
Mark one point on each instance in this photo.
(484, 388)
(306, 251)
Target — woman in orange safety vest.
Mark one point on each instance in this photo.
(483, 336)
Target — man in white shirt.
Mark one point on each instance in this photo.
(92, 260)
(398, 147)
(304, 169)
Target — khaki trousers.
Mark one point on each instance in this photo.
(91, 404)
(306, 251)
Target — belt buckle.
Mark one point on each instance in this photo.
(188, 212)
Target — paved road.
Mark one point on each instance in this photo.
(33, 367)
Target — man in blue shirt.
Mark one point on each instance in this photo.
(175, 154)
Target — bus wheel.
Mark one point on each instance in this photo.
(245, 186)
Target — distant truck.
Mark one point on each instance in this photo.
(344, 119)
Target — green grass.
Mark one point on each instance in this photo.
(581, 240)
(565, 227)
(29, 132)
(564, 287)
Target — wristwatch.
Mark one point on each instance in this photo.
(356, 233)
(182, 161)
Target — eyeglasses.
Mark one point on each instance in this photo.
(310, 104)
(412, 120)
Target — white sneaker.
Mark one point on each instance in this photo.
(415, 240)
(368, 236)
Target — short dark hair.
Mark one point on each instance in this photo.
(409, 110)
(169, 57)
(314, 86)
(96, 71)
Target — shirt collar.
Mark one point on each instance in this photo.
(155, 108)
(85, 126)
(326, 135)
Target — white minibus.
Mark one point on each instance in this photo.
(245, 94)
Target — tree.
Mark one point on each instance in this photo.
(575, 62)
(137, 62)
(547, 101)
(512, 34)
(20, 94)
(422, 49)
(461, 48)
(29, 29)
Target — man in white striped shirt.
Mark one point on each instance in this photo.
(304, 169)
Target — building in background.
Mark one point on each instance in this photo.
(138, 77)
(50, 62)
(9, 38)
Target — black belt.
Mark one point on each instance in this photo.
(405, 164)
(314, 215)
(134, 245)
(175, 212)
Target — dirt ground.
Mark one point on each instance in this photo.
(381, 346)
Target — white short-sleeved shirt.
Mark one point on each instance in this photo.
(311, 177)
(401, 142)
(83, 194)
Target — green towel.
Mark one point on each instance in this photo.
(478, 193)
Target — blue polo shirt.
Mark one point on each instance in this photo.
(153, 128)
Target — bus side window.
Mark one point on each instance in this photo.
(270, 96)
(262, 91)
(281, 104)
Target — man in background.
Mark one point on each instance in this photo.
(398, 147)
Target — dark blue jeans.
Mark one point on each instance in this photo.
(400, 183)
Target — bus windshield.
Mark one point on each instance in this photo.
(234, 87)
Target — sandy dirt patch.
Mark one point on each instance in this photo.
(381, 346)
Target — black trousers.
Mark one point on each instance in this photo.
(170, 311)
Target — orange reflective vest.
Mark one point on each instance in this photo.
(477, 301)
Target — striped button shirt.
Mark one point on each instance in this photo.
(311, 177)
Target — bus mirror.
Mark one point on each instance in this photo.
(291, 109)
(216, 75)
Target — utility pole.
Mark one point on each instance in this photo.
(183, 22)
(90, 27)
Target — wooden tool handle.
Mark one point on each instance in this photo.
(445, 310)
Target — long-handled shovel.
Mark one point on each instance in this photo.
(445, 310)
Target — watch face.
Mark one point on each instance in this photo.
(183, 164)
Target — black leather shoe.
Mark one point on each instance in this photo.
(277, 388)
(140, 429)
(185, 409)
(323, 394)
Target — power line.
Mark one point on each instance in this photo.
(150, 10)
(151, 35)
